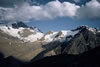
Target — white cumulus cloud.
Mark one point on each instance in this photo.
(26, 12)
(51, 10)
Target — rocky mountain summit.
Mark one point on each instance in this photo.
(22, 31)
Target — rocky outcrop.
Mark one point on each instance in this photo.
(19, 24)
(83, 41)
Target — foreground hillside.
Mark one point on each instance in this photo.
(90, 58)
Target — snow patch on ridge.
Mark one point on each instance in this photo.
(14, 32)
(66, 34)
(54, 36)
(33, 37)
(11, 31)
(92, 29)
(50, 37)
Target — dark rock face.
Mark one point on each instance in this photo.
(59, 34)
(82, 42)
(19, 24)
(81, 28)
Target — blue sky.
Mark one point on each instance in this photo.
(63, 24)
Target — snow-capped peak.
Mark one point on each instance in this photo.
(62, 35)
(22, 31)
(58, 36)
(31, 34)
(86, 27)
(65, 34)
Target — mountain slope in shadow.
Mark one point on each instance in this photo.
(10, 61)
(90, 58)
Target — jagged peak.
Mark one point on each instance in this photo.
(15, 25)
(22, 31)
(94, 30)
(82, 27)
(19, 24)
(85, 27)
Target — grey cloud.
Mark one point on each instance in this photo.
(90, 11)
(10, 3)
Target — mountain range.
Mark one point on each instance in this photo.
(29, 44)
